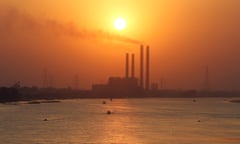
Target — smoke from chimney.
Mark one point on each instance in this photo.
(11, 20)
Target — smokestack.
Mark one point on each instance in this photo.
(141, 66)
(147, 68)
(133, 66)
(127, 65)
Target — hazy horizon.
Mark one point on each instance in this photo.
(69, 38)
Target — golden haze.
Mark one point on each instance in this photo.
(77, 37)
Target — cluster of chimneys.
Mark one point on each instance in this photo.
(141, 67)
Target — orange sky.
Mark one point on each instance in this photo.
(77, 37)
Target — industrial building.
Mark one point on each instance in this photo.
(128, 86)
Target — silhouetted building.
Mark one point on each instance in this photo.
(120, 87)
(117, 87)
(127, 86)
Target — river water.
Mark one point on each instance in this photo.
(133, 121)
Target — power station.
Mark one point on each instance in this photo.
(128, 85)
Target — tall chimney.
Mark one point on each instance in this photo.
(147, 68)
(141, 66)
(133, 67)
(127, 65)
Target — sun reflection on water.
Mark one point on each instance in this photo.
(118, 127)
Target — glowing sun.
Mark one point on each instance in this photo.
(120, 24)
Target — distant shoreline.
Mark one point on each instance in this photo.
(52, 94)
(232, 99)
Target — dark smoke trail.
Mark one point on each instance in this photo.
(12, 20)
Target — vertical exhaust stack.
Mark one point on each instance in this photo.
(141, 66)
(147, 68)
(127, 65)
(133, 66)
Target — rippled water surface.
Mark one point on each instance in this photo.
(133, 121)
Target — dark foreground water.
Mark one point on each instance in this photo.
(134, 121)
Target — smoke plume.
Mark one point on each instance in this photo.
(12, 20)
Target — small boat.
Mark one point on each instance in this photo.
(109, 112)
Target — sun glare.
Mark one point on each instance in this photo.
(120, 24)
